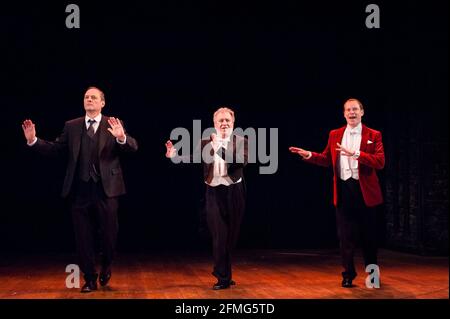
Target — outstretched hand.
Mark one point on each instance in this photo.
(29, 130)
(299, 151)
(116, 128)
(170, 150)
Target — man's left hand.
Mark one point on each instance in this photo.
(344, 151)
(116, 128)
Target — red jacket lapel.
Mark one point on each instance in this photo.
(337, 139)
(364, 138)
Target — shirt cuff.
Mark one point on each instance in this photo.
(124, 141)
(32, 143)
(357, 153)
(309, 156)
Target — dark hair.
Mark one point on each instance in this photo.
(102, 95)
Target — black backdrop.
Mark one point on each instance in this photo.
(286, 65)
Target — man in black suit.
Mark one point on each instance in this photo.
(225, 190)
(93, 180)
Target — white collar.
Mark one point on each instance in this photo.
(97, 119)
(357, 129)
(226, 139)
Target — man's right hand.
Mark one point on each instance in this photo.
(170, 150)
(29, 131)
(300, 151)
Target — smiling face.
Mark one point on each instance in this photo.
(93, 102)
(353, 112)
(223, 123)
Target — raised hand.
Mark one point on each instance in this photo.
(29, 131)
(344, 151)
(299, 151)
(116, 128)
(170, 150)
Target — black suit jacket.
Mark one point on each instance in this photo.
(108, 151)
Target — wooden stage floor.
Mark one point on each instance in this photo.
(267, 274)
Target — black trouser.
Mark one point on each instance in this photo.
(224, 208)
(355, 221)
(94, 214)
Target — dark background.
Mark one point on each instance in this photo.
(288, 65)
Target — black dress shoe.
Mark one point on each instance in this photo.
(347, 283)
(232, 283)
(221, 285)
(89, 286)
(104, 278)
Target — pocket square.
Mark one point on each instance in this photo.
(369, 142)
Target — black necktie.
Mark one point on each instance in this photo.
(90, 131)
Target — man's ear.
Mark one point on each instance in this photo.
(103, 104)
(362, 113)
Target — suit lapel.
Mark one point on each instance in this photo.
(78, 131)
(209, 166)
(364, 138)
(337, 139)
(231, 145)
(103, 133)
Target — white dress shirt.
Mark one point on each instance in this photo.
(351, 140)
(220, 174)
(97, 120)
